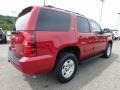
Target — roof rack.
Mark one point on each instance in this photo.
(64, 10)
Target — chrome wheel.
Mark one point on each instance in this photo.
(68, 68)
(109, 50)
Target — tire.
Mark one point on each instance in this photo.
(66, 67)
(5, 40)
(115, 38)
(108, 51)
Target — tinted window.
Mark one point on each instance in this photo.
(82, 25)
(50, 20)
(95, 27)
(19, 25)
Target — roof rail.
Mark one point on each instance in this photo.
(64, 10)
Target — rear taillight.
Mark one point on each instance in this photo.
(12, 38)
(16, 38)
(30, 44)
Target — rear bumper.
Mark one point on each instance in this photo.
(32, 65)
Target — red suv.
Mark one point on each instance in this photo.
(47, 39)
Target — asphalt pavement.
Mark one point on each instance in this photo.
(98, 74)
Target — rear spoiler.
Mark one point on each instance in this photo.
(25, 11)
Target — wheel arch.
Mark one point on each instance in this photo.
(73, 49)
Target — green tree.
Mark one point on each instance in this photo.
(7, 22)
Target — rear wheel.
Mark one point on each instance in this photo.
(108, 51)
(66, 67)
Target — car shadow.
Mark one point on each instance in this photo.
(86, 72)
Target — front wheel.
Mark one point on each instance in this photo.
(66, 67)
(108, 51)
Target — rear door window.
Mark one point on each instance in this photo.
(51, 20)
(82, 25)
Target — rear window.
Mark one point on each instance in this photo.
(22, 18)
(19, 25)
(51, 20)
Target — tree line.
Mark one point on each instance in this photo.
(7, 22)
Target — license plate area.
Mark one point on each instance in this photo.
(12, 57)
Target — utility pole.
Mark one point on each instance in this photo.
(101, 11)
(44, 3)
(118, 21)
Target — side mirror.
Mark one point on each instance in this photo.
(106, 30)
(102, 32)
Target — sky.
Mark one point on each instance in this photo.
(89, 8)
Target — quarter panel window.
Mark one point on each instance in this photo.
(51, 20)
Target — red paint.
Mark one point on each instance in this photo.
(42, 51)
